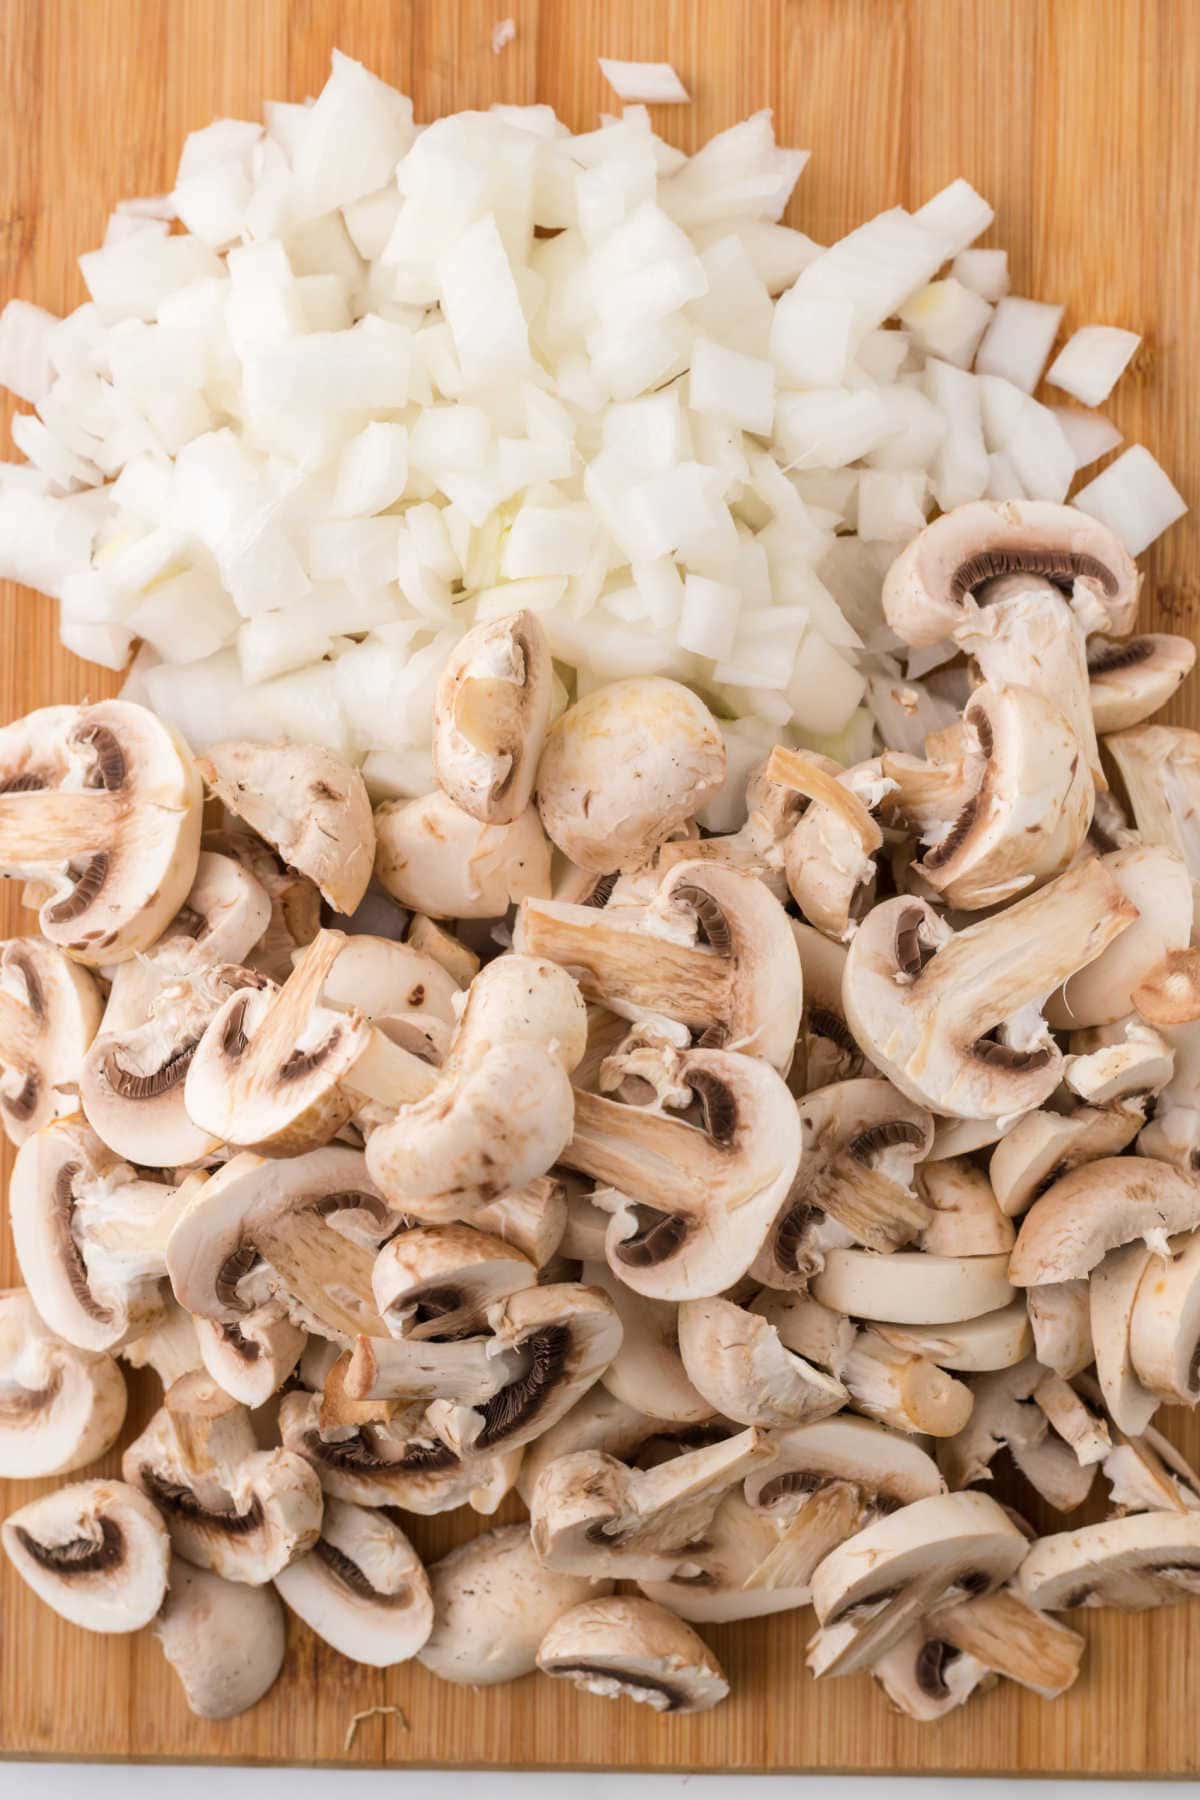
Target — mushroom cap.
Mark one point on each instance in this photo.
(437, 1281)
(1061, 1325)
(912, 1287)
(1164, 1325)
(493, 1603)
(440, 861)
(966, 1219)
(736, 1360)
(813, 1331)
(308, 803)
(624, 768)
(622, 1647)
(926, 590)
(926, 1677)
(490, 715)
(389, 1461)
(888, 1469)
(597, 1421)
(1112, 1294)
(224, 1640)
(1131, 680)
(1095, 1209)
(647, 1372)
(49, 1013)
(828, 854)
(96, 1552)
(1145, 1559)
(60, 1407)
(252, 1359)
(711, 1586)
(227, 910)
(396, 983)
(362, 1587)
(1155, 881)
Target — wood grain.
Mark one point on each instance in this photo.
(1078, 119)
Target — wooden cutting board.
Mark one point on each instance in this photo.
(1079, 120)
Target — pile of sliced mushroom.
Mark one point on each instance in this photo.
(731, 1202)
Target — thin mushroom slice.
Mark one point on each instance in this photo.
(1062, 1326)
(1145, 1473)
(1173, 1134)
(1156, 882)
(410, 995)
(438, 1281)
(1164, 1325)
(1011, 1638)
(911, 1287)
(493, 1603)
(870, 1590)
(252, 1359)
(96, 1552)
(226, 913)
(115, 838)
(1112, 1294)
(828, 855)
(811, 1330)
(737, 1361)
(599, 1421)
(1004, 1414)
(1097, 1208)
(1131, 679)
(49, 1013)
(967, 1220)
(1044, 1146)
(224, 1640)
(735, 1571)
(387, 1456)
(1144, 1560)
(60, 1407)
(490, 716)
(1159, 766)
(903, 1389)
(952, 1017)
(308, 803)
(361, 1587)
(647, 1371)
(442, 947)
(631, 1649)
(926, 1676)
(994, 1340)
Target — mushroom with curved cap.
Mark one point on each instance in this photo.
(252, 1359)
(1155, 881)
(994, 1340)
(1010, 1638)
(737, 1361)
(362, 1587)
(490, 716)
(933, 1553)
(49, 1013)
(1045, 1145)
(1164, 1325)
(627, 1648)
(1004, 1414)
(563, 1337)
(966, 1218)
(1170, 993)
(713, 950)
(712, 1586)
(245, 1513)
(1002, 803)
(1112, 1293)
(60, 1407)
(1131, 679)
(1143, 1560)
(308, 803)
(1061, 1322)
(378, 1453)
(647, 1372)
(828, 856)
(1125, 1060)
(438, 860)
(437, 1281)
(624, 768)
(1159, 766)
(493, 1603)
(1097, 1208)
(911, 1287)
(592, 1515)
(224, 1640)
(928, 590)
(226, 913)
(293, 900)
(96, 1551)
(811, 1330)
(692, 1203)
(927, 1677)
(953, 1017)
(904, 1389)
(829, 1049)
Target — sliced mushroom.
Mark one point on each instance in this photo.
(293, 900)
(994, 1340)
(926, 1676)
(493, 1603)
(466, 1370)
(224, 1640)
(432, 940)
(96, 1552)
(308, 803)
(953, 1017)
(904, 1389)
(756, 847)
(1045, 1145)
(1012, 1639)
(387, 1455)
(532, 1219)
(1155, 881)
(1004, 1414)
(49, 1014)
(252, 1359)
(60, 1407)
(1159, 766)
(490, 716)
(171, 1348)
(1143, 1560)
(629, 1648)
(438, 1281)
(1131, 679)
(828, 1050)
(1076, 1422)
(966, 1219)
(1097, 1208)
(586, 1225)
(829, 854)
(1173, 1135)
(438, 860)
(811, 1330)
(712, 1585)
(736, 1360)
(647, 1372)
(1062, 1326)
(1164, 1325)
(1112, 1293)
(1145, 1473)
(361, 1587)
(912, 1288)
(599, 1421)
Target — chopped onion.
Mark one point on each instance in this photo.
(1018, 340)
(1092, 361)
(654, 82)
(1134, 498)
(1089, 434)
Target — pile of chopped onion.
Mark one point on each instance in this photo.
(354, 385)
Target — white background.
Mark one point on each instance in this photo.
(65, 1781)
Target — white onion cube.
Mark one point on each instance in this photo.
(1092, 361)
(985, 272)
(1134, 497)
(1089, 434)
(549, 540)
(708, 619)
(826, 428)
(811, 339)
(1018, 341)
(947, 320)
(352, 139)
(656, 82)
(372, 471)
(732, 386)
(482, 306)
(890, 506)
(957, 215)
(25, 350)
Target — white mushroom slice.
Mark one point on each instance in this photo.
(410, 993)
(886, 1471)
(438, 860)
(647, 1372)
(611, 811)
(437, 1281)
(1003, 802)
(490, 716)
(927, 1677)
(587, 1224)
(60, 1407)
(245, 1513)
(873, 1588)
(467, 1370)
(1173, 1135)
(531, 1219)
(756, 848)
(1079, 1424)
(911, 1288)
(1112, 1293)
(927, 591)
(691, 1203)
(295, 904)
(631, 1649)
(493, 1603)
(1044, 1146)
(392, 1458)
(434, 941)
(994, 1340)
(1155, 881)
(1131, 679)
(1145, 1473)
(308, 803)
(1061, 1322)
(226, 913)
(1143, 1560)
(952, 1017)
(811, 1330)
(961, 1137)
(736, 1360)
(224, 1640)
(1159, 766)
(903, 1389)
(115, 834)
(828, 1051)
(966, 1218)
(1097, 1208)
(1009, 1637)
(561, 1337)
(90, 1237)
(592, 1515)
(710, 1586)
(1164, 1325)
(829, 854)
(252, 1359)
(714, 950)
(361, 1587)
(96, 1552)
(1004, 1414)
(171, 1348)
(49, 1013)
(1170, 993)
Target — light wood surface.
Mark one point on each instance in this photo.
(1078, 119)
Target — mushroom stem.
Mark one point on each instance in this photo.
(1013, 1639)
(804, 775)
(827, 1519)
(412, 1369)
(298, 1246)
(55, 827)
(622, 965)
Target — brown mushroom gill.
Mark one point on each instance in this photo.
(238, 1263)
(646, 1684)
(1110, 657)
(109, 770)
(130, 1086)
(955, 838)
(601, 891)
(850, 1608)
(350, 1200)
(717, 1107)
(240, 1344)
(712, 927)
(303, 1062)
(233, 1038)
(29, 783)
(1061, 567)
(63, 1204)
(546, 1353)
(79, 1556)
(86, 890)
(826, 1024)
(658, 1236)
(178, 1500)
(356, 1456)
(787, 1486)
(885, 1136)
(347, 1573)
(911, 954)
(789, 1234)
(35, 994)
(933, 1659)
(21, 1406)
(1003, 1056)
(23, 1104)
